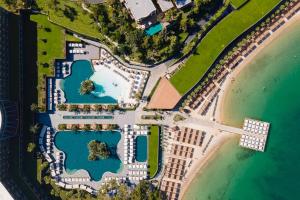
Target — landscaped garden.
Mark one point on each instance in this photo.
(217, 40)
(50, 46)
(153, 150)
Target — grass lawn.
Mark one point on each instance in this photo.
(238, 3)
(183, 36)
(217, 40)
(50, 46)
(81, 23)
(153, 150)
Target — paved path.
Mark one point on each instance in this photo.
(209, 125)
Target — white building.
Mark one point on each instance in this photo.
(140, 10)
(165, 5)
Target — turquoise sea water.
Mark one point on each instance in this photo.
(75, 146)
(268, 89)
(82, 70)
(141, 148)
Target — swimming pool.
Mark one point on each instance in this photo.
(109, 86)
(141, 148)
(109, 83)
(154, 29)
(74, 145)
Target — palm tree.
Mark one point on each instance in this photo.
(30, 147)
(34, 128)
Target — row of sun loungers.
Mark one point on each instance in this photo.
(175, 168)
(190, 136)
(249, 50)
(207, 144)
(171, 188)
(75, 179)
(129, 145)
(256, 126)
(138, 166)
(80, 45)
(76, 186)
(252, 142)
(77, 51)
(182, 151)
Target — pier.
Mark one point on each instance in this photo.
(256, 134)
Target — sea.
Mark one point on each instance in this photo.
(268, 89)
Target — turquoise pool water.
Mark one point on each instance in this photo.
(154, 29)
(74, 145)
(141, 148)
(82, 70)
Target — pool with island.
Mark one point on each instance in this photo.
(75, 147)
(109, 87)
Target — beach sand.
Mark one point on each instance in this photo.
(221, 139)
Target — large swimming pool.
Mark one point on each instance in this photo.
(74, 145)
(109, 87)
(141, 148)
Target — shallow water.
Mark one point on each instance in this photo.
(268, 89)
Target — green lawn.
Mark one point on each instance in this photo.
(153, 150)
(81, 23)
(183, 36)
(217, 39)
(237, 3)
(50, 46)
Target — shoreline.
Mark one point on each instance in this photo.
(235, 73)
(219, 116)
(204, 162)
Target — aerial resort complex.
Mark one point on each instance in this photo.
(124, 99)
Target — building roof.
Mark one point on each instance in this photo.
(140, 8)
(165, 96)
(4, 194)
(165, 5)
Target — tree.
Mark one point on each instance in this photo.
(73, 108)
(62, 126)
(30, 147)
(145, 190)
(75, 127)
(34, 107)
(86, 87)
(86, 108)
(98, 108)
(62, 107)
(87, 127)
(98, 127)
(98, 150)
(34, 128)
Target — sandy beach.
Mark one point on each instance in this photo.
(199, 167)
(221, 139)
(232, 76)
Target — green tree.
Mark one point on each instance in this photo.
(34, 128)
(98, 150)
(86, 87)
(30, 147)
(34, 107)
